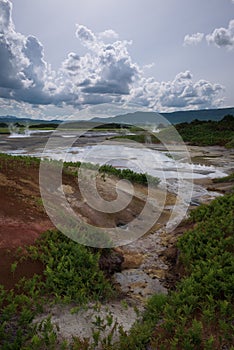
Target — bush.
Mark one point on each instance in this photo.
(208, 133)
(71, 270)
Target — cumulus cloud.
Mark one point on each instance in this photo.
(193, 39)
(24, 74)
(5, 15)
(105, 69)
(85, 34)
(180, 93)
(105, 74)
(222, 37)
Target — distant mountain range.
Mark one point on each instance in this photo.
(174, 117)
(138, 117)
(12, 119)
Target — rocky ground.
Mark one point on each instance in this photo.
(147, 265)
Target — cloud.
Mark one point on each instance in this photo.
(180, 93)
(105, 74)
(105, 69)
(85, 34)
(148, 66)
(193, 39)
(24, 74)
(72, 63)
(222, 37)
(108, 34)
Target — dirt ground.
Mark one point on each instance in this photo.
(23, 218)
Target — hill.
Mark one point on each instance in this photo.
(208, 133)
(136, 117)
(7, 119)
(196, 133)
(174, 117)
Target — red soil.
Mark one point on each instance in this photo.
(22, 218)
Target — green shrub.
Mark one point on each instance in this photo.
(199, 314)
(208, 133)
(71, 270)
(71, 274)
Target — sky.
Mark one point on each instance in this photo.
(80, 59)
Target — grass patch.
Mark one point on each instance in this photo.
(10, 162)
(4, 131)
(71, 168)
(142, 137)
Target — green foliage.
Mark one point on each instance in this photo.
(71, 270)
(44, 126)
(12, 162)
(71, 274)
(208, 133)
(154, 308)
(230, 144)
(141, 332)
(198, 132)
(130, 175)
(71, 168)
(199, 313)
(229, 178)
(140, 137)
(127, 174)
(4, 130)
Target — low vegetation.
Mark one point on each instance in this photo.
(197, 133)
(71, 168)
(127, 174)
(208, 133)
(71, 275)
(229, 178)
(12, 162)
(44, 126)
(140, 137)
(199, 314)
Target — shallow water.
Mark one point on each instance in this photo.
(144, 160)
(173, 166)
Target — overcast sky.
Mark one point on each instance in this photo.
(65, 59)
